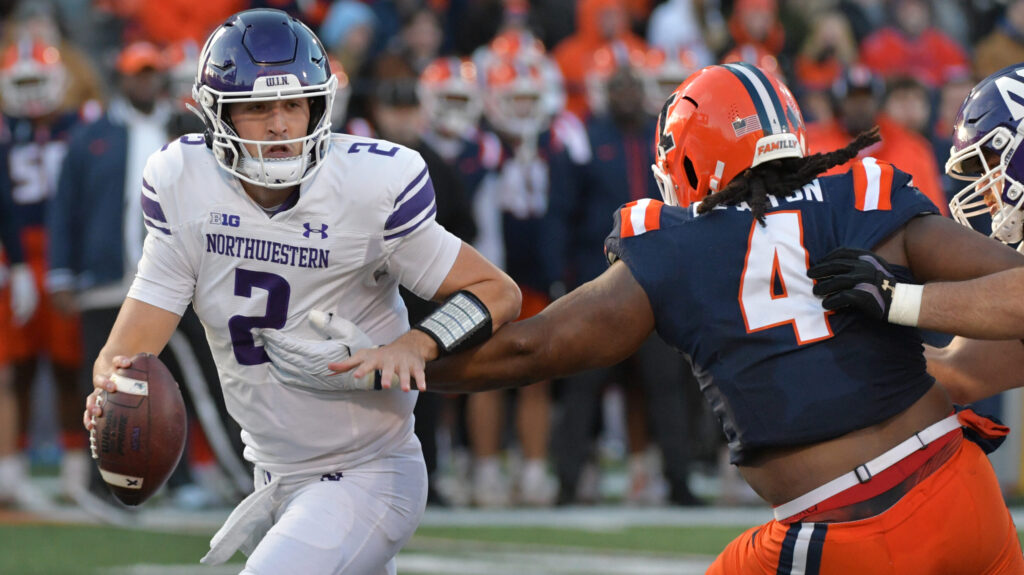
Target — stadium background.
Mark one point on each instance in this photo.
(914, 58)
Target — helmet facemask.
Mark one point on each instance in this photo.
(231, 151)
(992, 192)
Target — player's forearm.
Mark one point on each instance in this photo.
(517, 354)
(596, 325)
(502, 297)
(972, 370)
(140, 327)
(989, 307)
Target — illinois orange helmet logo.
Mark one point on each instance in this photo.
(719, 122)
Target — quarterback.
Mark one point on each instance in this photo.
(830, 417)
(275, 229)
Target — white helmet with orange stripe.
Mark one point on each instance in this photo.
(449, 92)
(663, 72)
(606, 61)
(514, 99)
(32, 78)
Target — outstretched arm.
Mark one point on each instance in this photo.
(598, 324)
(974, 285)
(404, 359)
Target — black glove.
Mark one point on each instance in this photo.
(858, 279)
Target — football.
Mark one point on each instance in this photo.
(138, 440)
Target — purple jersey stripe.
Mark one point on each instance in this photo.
(150, 224)
(152, 208)
(410, 229)
(146, 185)
(410, 209)
(415, 182)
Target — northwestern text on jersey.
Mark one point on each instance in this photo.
(266, 251)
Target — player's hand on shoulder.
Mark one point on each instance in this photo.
(101, 382)
(863, 281)
(402, 360)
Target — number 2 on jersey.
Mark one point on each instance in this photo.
(774, 287)
(240, 326)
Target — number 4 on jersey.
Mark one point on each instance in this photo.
(774, 287)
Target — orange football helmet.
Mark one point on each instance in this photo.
(32, 78)
(719, 122)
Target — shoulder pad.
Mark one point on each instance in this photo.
(874, 182)
(637, 218)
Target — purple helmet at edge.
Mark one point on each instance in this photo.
(986, 152)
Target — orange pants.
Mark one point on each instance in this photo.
(534, 302)
(954, 522)
(47, 330)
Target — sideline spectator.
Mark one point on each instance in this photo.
(913, 46)
(599, 23)
(857, 102)
(1003, 46)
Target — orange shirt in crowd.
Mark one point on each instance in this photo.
(931, 58)
(899, 146)
(575, 54)
(170, 21)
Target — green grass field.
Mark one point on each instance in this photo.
(88, 550)
(28, 548)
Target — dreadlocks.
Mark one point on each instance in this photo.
(780, 177)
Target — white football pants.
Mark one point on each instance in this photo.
(353, 524)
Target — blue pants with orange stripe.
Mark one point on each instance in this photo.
(953, 522)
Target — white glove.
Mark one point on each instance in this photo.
(302, 363)
(24, 296)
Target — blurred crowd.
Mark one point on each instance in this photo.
(536, 120)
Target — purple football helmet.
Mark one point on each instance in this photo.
(265, 55)
(986, 152)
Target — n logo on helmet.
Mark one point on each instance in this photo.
(1012, 91)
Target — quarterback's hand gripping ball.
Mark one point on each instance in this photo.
(140, 437)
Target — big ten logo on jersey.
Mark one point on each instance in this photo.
(230, 220)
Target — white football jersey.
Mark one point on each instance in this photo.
(360, 227)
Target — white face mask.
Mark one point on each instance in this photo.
(1008, 225)
(253, 167)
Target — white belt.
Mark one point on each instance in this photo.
(864, 473)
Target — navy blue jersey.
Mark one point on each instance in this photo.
(734, 297)
(30, 160)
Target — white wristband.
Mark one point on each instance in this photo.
(906, 304)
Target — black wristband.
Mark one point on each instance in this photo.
(461, 322)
